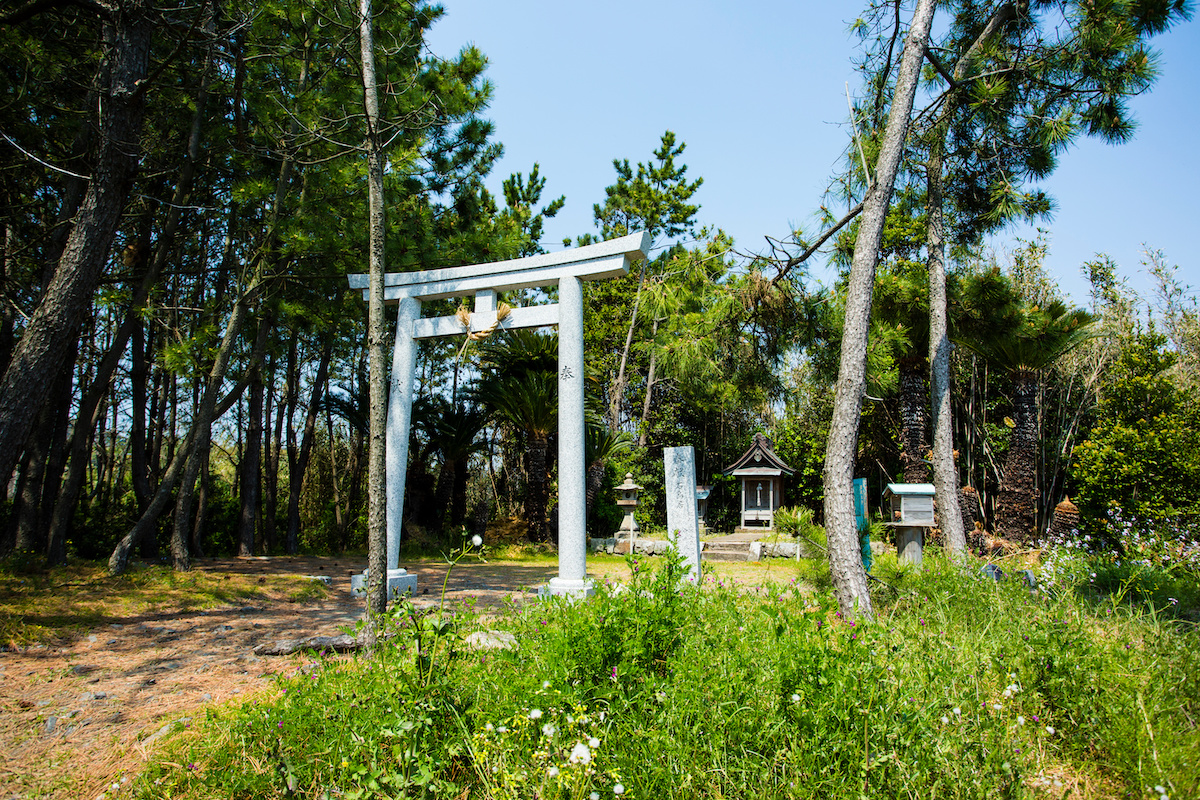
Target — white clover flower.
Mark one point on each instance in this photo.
(957, 711)
(552, 772)
(795, 698)
(580, 754)
(1020, 720)
(618, 788)
(945, 720)
(593, 742)
(1007, 693)
(1050, 730)
(998, 707)
(477, 540)
(535, 713)
(548, 730)
(594, 796)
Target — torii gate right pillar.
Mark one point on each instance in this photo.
(572, 497)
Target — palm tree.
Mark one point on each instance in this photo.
(456, 435)
(1027, 340)
(901, 302)
(519, 386)
(601, 444)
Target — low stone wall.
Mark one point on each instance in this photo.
(648, 547)
(758, 550)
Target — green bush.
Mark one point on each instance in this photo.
(965, 686)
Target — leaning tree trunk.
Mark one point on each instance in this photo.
(912, 420)
(1016, 500)
(845, 558)
(945, 474)
(298, 466)
(54, 325)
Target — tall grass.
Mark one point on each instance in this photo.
(964, 687)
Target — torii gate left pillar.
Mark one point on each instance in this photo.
(567, 270)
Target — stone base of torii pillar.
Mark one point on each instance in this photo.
(566, 270)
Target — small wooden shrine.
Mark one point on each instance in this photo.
(762, 473)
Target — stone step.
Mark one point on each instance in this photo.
(727, 551)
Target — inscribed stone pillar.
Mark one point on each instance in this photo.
(572, 500)
(680, 469)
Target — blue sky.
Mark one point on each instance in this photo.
(758, 93)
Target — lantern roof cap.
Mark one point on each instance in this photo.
(628, 485)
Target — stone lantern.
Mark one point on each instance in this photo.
(627, 498)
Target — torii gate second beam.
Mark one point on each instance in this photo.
(566, 270)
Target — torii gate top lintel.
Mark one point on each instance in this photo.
(592, 262)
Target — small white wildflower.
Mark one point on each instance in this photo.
(580, 754)
(998, 707)
(488, 727)
(795, 698)
(535, 713)
(593, 742)
(1007, 693)
(594, 796)
(552, 772)
(957, 711)
(945, 720)
(548, 730)
(1050, 730)
(545, 684)
(502, 729)
(477, 540)
(1160, 789)
(618, 788)
(1020, 720)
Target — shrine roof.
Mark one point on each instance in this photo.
(760, 459)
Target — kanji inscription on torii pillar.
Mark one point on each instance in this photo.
(567, 270)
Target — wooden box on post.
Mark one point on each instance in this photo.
(908, 507)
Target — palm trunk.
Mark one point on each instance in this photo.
(536, 499)
(912, 420)
(1016, 501)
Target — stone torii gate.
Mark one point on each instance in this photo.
(567, 270)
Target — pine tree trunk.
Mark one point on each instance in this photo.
(376, 330)
(271, 473)
(945, 473)
(251, 467)
(54, 324)
(845, 559)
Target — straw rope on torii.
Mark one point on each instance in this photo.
(567, 270)
(463, 315)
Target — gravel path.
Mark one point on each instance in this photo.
(79, 716)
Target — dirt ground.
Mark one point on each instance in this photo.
(82, 715)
